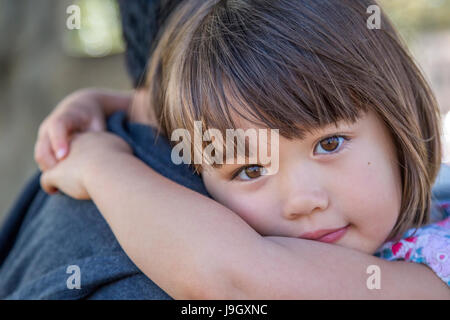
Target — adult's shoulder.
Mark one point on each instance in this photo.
(59, 237)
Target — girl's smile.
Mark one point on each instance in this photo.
(345, 176)
(326, 235)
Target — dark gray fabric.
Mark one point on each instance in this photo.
(44, 234)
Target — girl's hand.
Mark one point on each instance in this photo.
(82, 111)
(92, 149)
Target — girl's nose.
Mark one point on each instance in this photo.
(303, 191)
(303, 202)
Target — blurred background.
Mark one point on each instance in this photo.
(42, 61)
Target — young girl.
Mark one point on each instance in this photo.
(358, 153)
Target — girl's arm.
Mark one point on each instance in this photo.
(193, 247)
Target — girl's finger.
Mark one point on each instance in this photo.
(43, 153)
(42, 129)
(46, 181)
(58, 132)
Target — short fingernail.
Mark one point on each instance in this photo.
(60, 153)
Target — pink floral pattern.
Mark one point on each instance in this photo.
(429, 245)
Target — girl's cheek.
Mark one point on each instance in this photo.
(366, 195)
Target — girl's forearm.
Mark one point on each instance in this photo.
(193, 247)
(111, 100)
(181, 240)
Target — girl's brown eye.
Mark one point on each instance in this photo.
(251, 172)
(330, 144)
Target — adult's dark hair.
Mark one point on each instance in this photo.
(142, 20)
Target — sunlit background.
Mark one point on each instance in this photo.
(425, 26)
(42, 61)
(100, 32)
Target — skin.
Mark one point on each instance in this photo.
(355, 183)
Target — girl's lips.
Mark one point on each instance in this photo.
(327, 235)
(334, 236)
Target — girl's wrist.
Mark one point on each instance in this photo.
(105, 161)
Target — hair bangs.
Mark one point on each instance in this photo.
(226, 80)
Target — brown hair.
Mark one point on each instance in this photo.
(296, 66)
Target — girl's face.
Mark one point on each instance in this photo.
(350, 180)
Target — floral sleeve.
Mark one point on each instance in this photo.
(429, 245)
